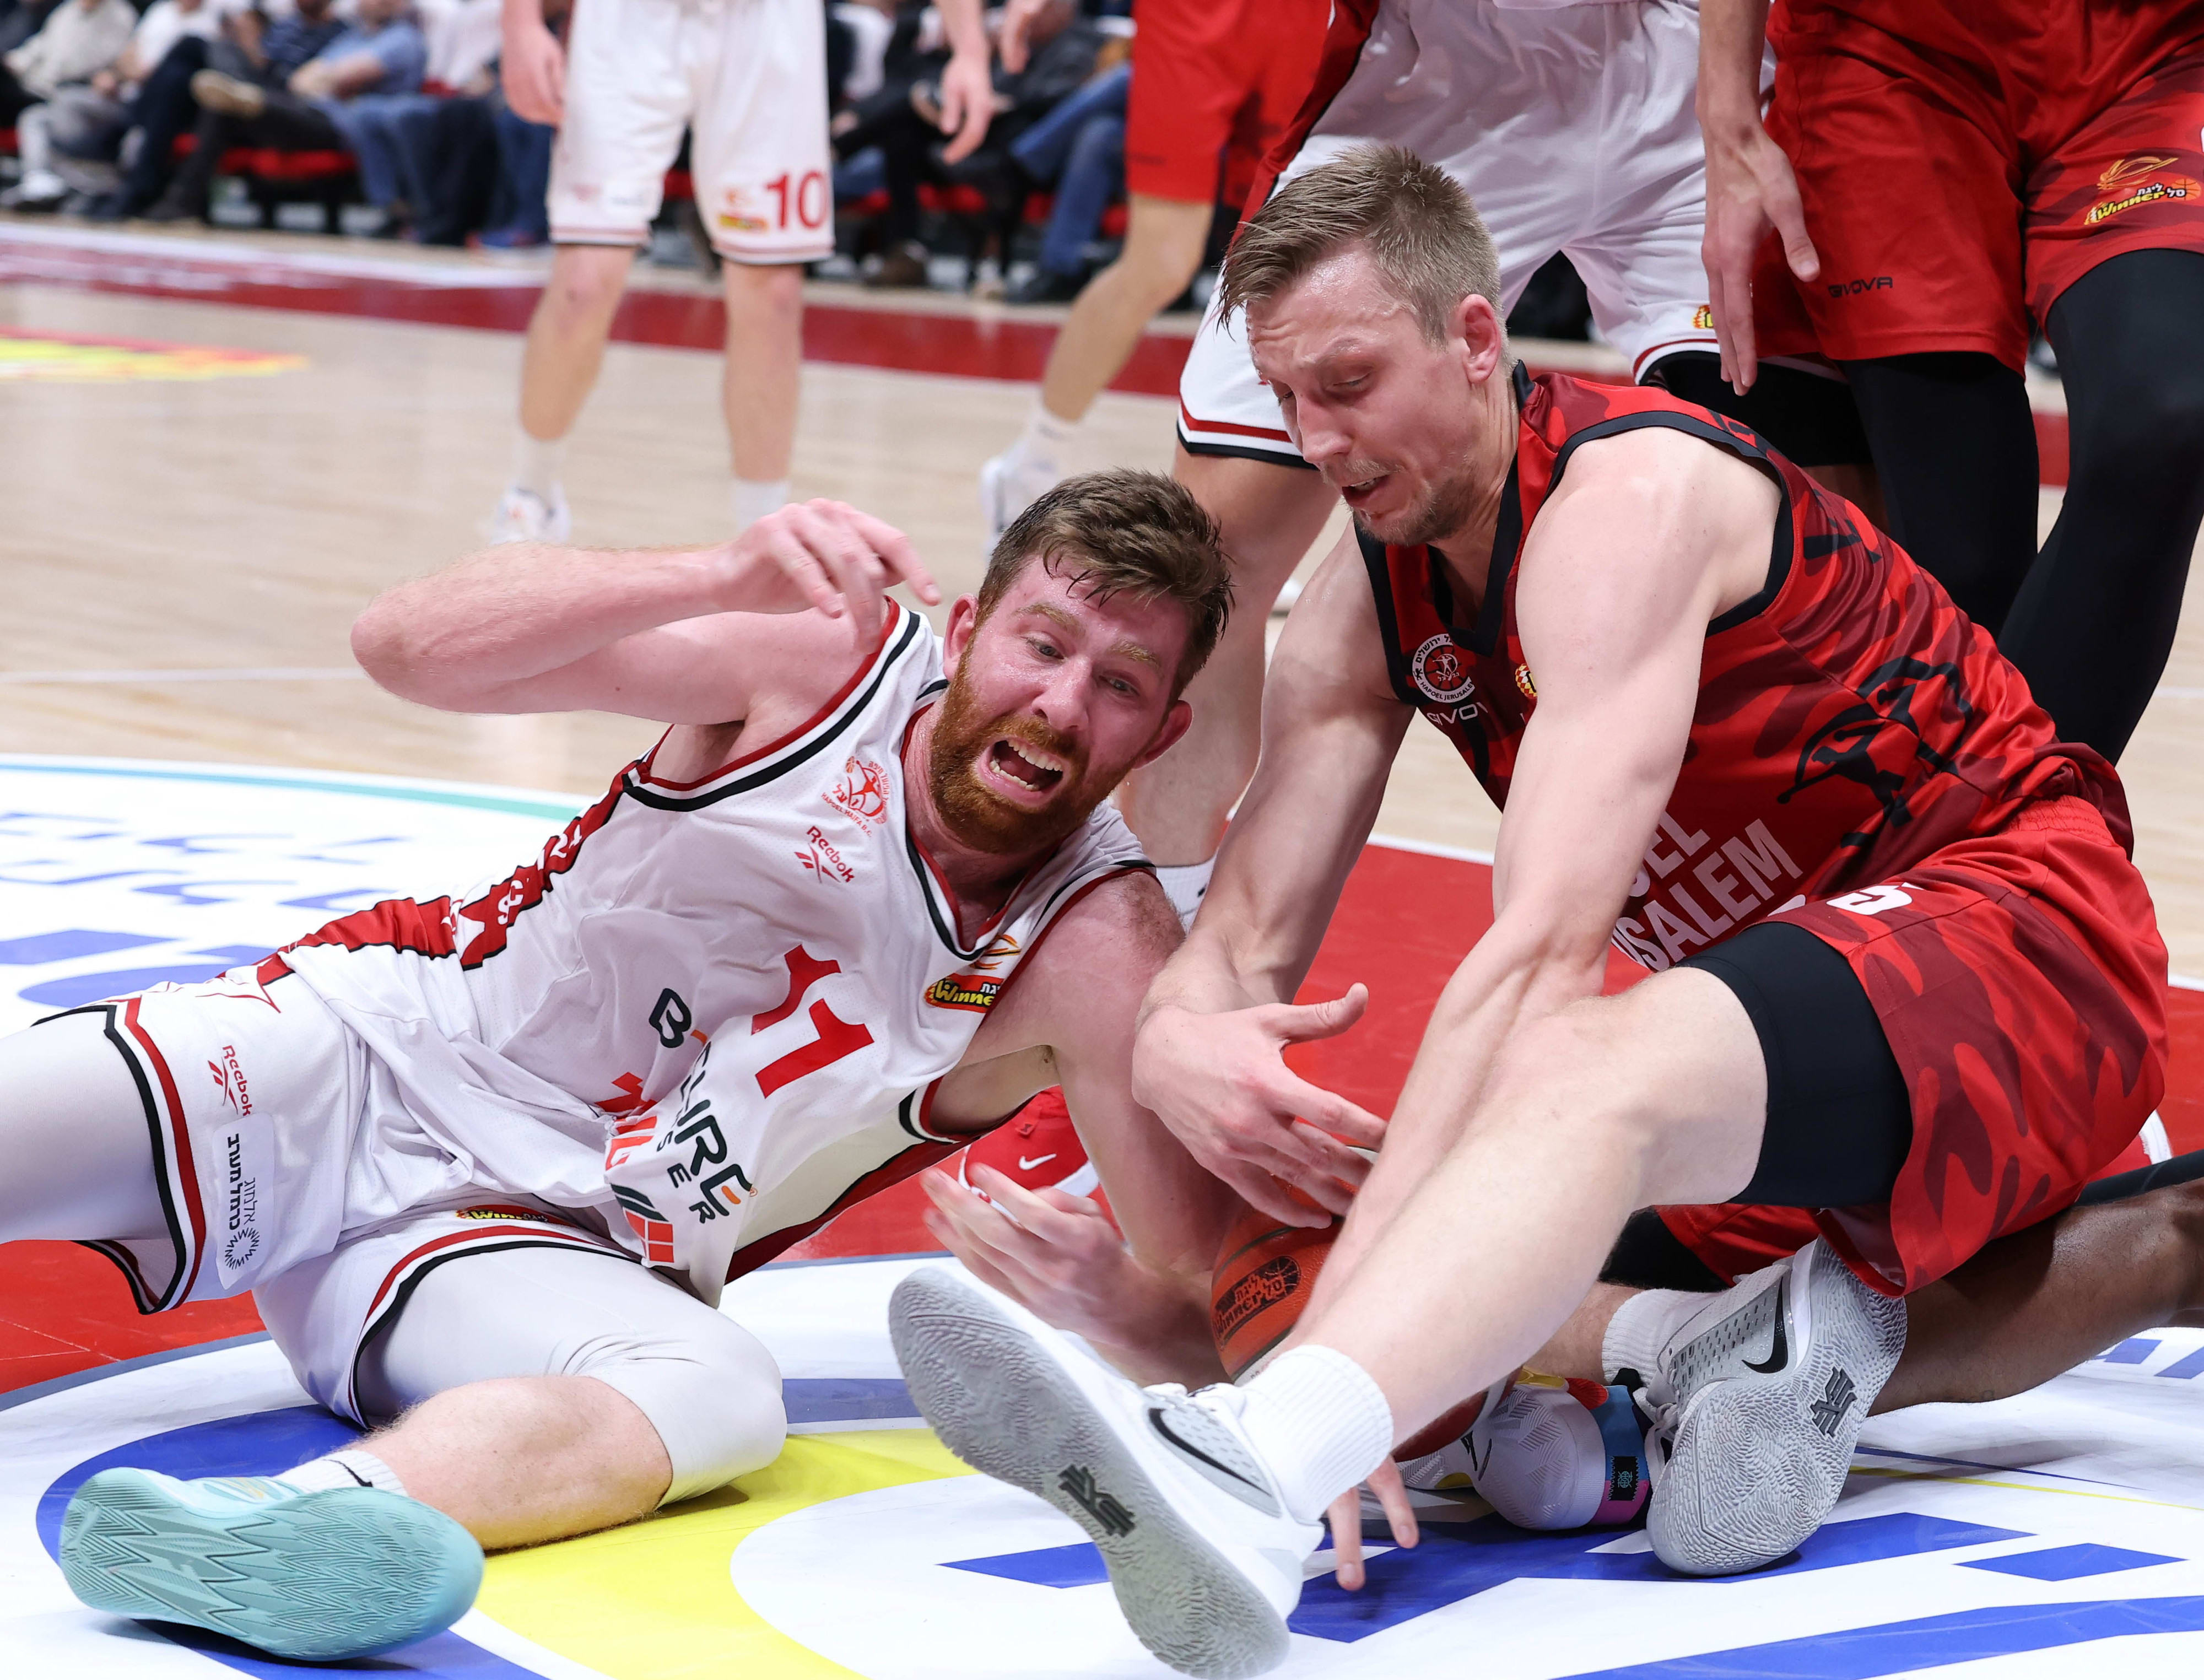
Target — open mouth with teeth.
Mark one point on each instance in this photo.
(1027, 773)
(1354, 495)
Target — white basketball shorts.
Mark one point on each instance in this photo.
(1574, 131)
(748, 77)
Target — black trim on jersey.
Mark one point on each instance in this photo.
(141, 1294)
(1748, 450)
(404, 1292)
(1244, 452)
(808, 750)
(1374, 562)
(906, 1112)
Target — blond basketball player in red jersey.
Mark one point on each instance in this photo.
(1909, 981)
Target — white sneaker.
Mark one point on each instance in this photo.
(1757, 1407)
(1005, 492)
(1205, 1559)
(523, 516)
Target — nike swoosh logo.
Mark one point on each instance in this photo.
(1163, 1428)
(1026, 1166)
(1781, 1354)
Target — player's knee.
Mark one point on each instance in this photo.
(1573, 1067)
(2178, 1210)
(753, 289)
(2154, 429)
(712, 1394)
(585, 289)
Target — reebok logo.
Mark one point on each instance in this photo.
(1077, 1481)
(1836, 1401)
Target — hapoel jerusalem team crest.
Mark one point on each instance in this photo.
(1441, 670)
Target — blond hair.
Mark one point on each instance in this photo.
(1128, 532)
(1422, 232)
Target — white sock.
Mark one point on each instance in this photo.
(1641, 1327)
(1320, 1423)
(1040, 446)
(535, 464)
(349, 1467)
(1184, 883)
(752, 499)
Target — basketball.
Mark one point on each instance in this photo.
(1265, 1272)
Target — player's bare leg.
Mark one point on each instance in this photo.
(1163, 243)
(764, 367)
(529, 1459)
(565, 349)
(1269, 515)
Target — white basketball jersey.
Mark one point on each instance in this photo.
(779, 910)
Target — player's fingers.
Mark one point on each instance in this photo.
(899, 554)
(1345, 1519)
(1050, 1224)
(847, 560)
(1297, 1023)
(1331, 1112)
(803, 568)
(976, 1263)
(1266, 1193)
(1393, 1497)
(554, 81)
(1789, 212)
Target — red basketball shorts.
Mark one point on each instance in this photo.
(1958, 174)
(2020, 980)
(1211, 77)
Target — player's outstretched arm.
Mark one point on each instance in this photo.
(1749, 184)
(1651, 536)
(682, 635)
(1208, 1060)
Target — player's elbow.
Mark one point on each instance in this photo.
(398, 650)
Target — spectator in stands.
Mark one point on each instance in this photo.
(19, 21)
(381, 52)
(519, 213)
(61, 47)
(405, 140)
(1078, 149)
(903, 121)
(250, 47)
(88, 60)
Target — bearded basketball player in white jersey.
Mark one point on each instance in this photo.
(747, 81)
(487, 1159)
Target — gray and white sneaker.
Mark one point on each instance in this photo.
(1205, 1559)
(523, 516)
(1757, 1407)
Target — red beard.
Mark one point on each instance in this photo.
(975, 813)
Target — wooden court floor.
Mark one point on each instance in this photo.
(230, 527)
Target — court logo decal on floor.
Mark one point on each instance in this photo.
(73, 359)
(2001, 1535)
(867, 1550)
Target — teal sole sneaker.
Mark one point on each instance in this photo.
(344, 1572)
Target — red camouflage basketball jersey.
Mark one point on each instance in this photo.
(1850, 719)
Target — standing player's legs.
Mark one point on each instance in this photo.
(627, 100)
(757, 70)
(1164, 239)
(2096, 619)
(1202, 73)
(1269, 513)
(1954, 449)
